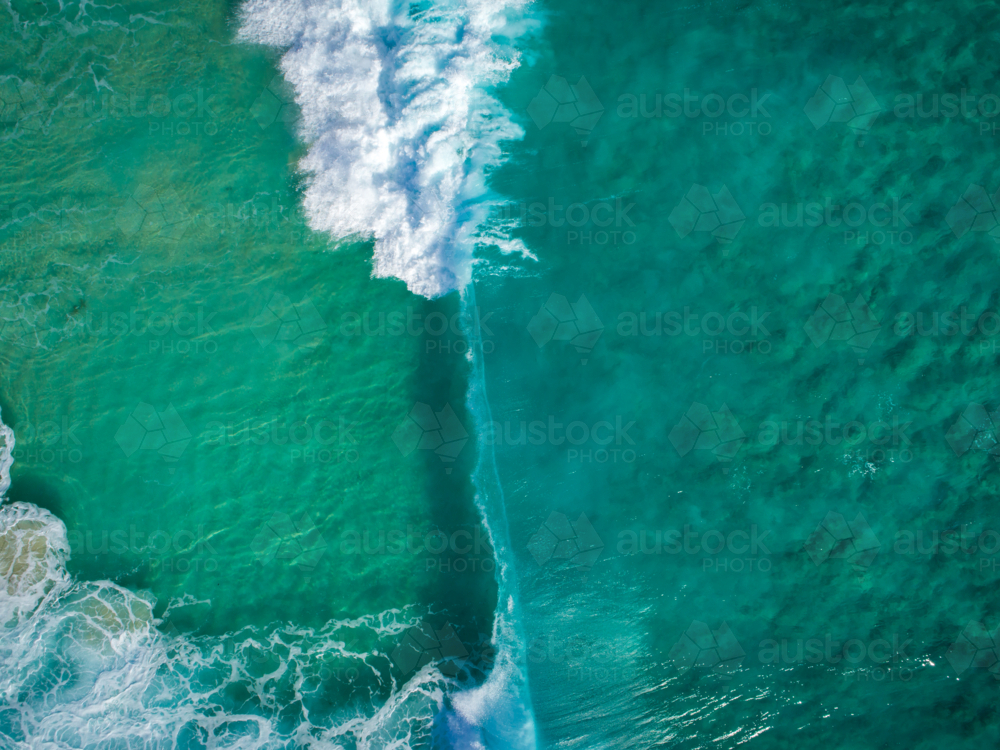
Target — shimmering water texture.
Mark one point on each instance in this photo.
(222, 528)
(498, 375)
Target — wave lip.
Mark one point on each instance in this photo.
(402, 126)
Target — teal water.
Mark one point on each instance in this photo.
(451, 375)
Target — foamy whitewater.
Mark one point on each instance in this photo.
(88, 665)
(402, 127)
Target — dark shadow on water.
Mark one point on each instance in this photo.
(6, 412)
(28, 488)
(461, 586)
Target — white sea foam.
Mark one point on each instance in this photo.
(6, 457)
(500, 707)
(402, 126)
(33, 554)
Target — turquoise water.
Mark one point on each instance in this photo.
(459, 375)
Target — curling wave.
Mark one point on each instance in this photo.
(403, 128)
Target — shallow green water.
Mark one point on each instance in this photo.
(744, 486)
(161, 288)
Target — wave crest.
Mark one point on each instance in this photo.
(403, 128)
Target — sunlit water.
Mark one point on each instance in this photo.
(451, 375)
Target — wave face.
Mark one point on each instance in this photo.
(497, 714)
(403, 129)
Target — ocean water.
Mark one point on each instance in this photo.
(498, 375)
